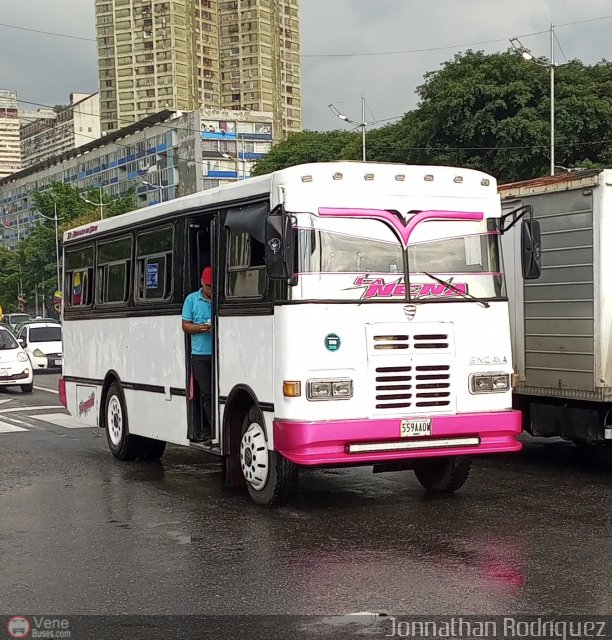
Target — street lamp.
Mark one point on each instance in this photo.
(57, 256)
(95, 204)
(548, 63)
(159, 187)
(363, 124)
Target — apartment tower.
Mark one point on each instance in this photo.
(10, 146)
(186, 55)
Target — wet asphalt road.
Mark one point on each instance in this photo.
(83, 533)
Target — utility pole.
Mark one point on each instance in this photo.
(552, 100)
(363, 127)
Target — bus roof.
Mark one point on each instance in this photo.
(338, 176)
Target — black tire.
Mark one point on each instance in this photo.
(152, 449)
(121, 443)
(281, 478)
(443, 475)
(27, 388)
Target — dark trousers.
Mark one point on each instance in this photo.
(202, 372)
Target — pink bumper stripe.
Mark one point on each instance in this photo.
(326, 443)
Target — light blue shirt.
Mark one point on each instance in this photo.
(198, 309)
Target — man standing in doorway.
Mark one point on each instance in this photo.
(197, 322)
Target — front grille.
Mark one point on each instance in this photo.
(431, 341)
(432, 386)
(419, 386)
(410, 368)
(393, 387)
(416, 342)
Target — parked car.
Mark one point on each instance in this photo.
(15, 366)
(42, 341)
(11, 320)
(38, 320)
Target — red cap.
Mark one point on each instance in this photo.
(207, 276)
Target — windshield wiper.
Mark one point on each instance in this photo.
(464, 294)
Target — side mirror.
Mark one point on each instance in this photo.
(531, 249)
(23, 343)
(279, 245)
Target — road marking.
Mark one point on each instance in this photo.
(47, 390)
(62, 420)
(6, 427)
(5, 401)
(31, 408)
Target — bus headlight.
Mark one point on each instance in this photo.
(489, 383)
(339, 389)
(38, 353)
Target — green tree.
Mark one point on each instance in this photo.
(492, 112)
(310, 146)
(37, 251)
(9, 279)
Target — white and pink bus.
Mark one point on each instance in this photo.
(360, 318)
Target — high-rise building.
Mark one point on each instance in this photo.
(199, 54)
(58, 132)
(10, 149)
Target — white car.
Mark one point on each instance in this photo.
(42, 341)
(15, 367)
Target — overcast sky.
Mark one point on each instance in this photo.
(46, 69)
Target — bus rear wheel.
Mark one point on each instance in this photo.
(443, 475)
(270, 478)
(121, 443)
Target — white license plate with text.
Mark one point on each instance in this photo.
(415, 428)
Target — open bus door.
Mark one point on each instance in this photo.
(201, 253)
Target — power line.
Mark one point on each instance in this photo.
(348, 55)
(569, 24)
(424, 50)
(46, 33)
(374, 145)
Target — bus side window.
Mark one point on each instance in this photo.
(114, 270)
(79, 277)
(246, 266)
(154, 265)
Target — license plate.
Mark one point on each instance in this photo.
(58, 363)
(414, 428)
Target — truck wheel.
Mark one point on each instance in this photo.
(443, 475)
(270, 478)
(121, 444)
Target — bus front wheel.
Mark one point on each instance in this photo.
(443, 475)
(270, 478)
(121, 443)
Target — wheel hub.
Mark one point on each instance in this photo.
(115, 421)
(254, 456)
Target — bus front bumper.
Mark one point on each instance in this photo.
(355, 442)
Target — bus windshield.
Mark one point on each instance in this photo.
(334, 265)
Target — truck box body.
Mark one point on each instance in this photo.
(561, 323)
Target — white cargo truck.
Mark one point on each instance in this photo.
(561, 322)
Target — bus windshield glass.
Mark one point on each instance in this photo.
(373, 264)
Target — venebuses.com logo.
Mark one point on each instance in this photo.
(19, 627)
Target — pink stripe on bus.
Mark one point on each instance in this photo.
(403, 230)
